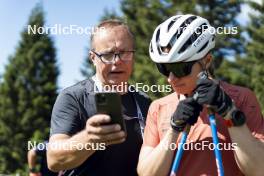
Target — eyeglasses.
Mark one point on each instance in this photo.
(109, 57)
(178, 69)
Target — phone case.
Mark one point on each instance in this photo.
(110, 103)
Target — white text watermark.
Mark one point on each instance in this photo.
(125, 87)
(72, 145)
(200, 146)
(59, 29)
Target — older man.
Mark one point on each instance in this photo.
(74, 118)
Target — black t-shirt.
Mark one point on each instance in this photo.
(72, 109)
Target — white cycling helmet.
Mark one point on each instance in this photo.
(187, 38)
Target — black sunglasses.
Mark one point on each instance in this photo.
(178, 69)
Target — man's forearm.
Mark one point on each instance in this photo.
(249, 152)
(159, 161)
(31, 159)
(64, 154)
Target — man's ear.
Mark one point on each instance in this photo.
(92, 57)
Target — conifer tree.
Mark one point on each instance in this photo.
(28, 92)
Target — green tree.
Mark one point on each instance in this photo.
(236, 71)
(255, 51)
(87, 68)
(249, 70)
(223, 14)
(28, 92)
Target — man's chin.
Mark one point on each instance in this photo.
(116, 81)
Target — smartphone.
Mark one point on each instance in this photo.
(110, 103)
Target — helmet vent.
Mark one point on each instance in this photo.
(187, 22)
(166, 49)
(173, 39)
(190, 19)
(151, 49)
(213, 38)
(172, 22)
(157, 36)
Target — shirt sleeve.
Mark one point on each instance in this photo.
(65, 117)
(254, 117)
(151, 135)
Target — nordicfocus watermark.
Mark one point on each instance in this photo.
(203, 145)
(229, 30)
(73, 145)
(59, 29)
(125, 87)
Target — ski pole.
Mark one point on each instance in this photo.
(218, 157)
(179, 153)
(185, 133)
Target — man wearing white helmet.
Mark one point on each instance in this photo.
(180, 47)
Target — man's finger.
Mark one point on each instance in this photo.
(103, 129)
(103, 138)
(98, 119)
(118, 141)
(111, 137)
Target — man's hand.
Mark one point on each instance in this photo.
(210, 93)
(99, 131)
(187, 112)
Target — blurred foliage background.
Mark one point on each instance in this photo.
(29, 86)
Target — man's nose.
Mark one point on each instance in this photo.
(117, 59)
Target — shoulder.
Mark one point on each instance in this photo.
(239, 94)
(80, 88)
(235, 89)
(163, 105)
(169, 99)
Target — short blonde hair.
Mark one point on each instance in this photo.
(108, 24)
